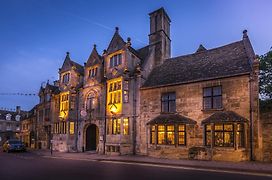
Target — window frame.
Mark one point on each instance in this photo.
(223, 131)
(115, 60)
(212, 96)
(166, 100)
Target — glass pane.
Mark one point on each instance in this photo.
(164, 107)
(207, 92)
(240, 127)
(181, 127)
(207, 103)
(118, 131)
(161, 128)
(228, 139)
(170, 128)
(126, 126)
(208, 138)
(119, 85)
(218, 127)
(218, 139)
(164, 97)
(161, 139)
(240, 139)
(170, 138)
(217, 102)
(172, 106)
(228, 127)
(181, 138)
(217, 91)
(152, 128)
(172, 96)
(208, 127)
(152, 137)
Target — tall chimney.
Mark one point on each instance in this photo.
(18, 109)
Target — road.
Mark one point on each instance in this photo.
(31, 166)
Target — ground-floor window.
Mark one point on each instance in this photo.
(60, 128)
(126, 126)
(72, 128)
(116, 126)
(224, 135)
(168, 134)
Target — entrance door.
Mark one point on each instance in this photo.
(91, 137)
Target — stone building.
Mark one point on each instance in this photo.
(47, 111)
(10, 124)
(142, 101)
(28, 126)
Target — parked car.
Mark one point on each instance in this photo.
(13, 145)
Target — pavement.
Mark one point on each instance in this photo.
(246, 167)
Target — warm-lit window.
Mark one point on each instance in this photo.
(93, 72)
(152, 134)
(72, 128)
(212, 97)
(161, 134)
(181, 134)
(166, 134)
(64, 104)
(170, 134)
(66, 78)
(208, 135)
(223, 135)
(115, 92)
(241, 135)
(126, 126)
(115, 60)
(168, 102)
(116, 126)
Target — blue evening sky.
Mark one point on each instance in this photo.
(35, 34)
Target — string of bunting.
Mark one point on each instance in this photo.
(18, 94)
(7, 109)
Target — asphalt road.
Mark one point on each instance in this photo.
(30, 166)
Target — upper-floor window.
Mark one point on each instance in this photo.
(115, 89)
(116, 60)
(47, 97)
(212, 97)
(8, 117)
(66, 78)
(93, 72)
(168, 102)
(64, 102)
(17, 117)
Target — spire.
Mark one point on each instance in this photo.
(94, 57)
(116, 43)
(245, 34)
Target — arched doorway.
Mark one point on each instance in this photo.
(91, 137)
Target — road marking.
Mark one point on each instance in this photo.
(188, 168)
(165, 166)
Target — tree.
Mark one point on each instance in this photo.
(266, 81)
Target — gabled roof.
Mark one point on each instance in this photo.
(170, 118)
(116, 43)
(94, 58)
(143, 53)
(68, 64)
(226, 61)
(224, 117)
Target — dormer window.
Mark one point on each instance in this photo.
(17, 117)
(93, 72)
(115, 60)
(8, 117)
(66, 78)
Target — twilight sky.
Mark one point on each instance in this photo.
(35, 35)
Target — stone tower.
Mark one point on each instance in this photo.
(159, 37)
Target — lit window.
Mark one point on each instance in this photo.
(181, 135)
(208, 135)
(170, 134)
(115, 60)
(168, 102)
(126, 126)
(72, 128)
(64, 104)
(223, 135)
(152, 133)
(116, 126)
(212, 97)
(161, 134)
